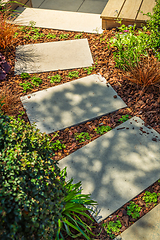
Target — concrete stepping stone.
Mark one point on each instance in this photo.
(62, 20)
(93, 6)
(51, 56)
(146, 228)
(71, 103)
(117, 166)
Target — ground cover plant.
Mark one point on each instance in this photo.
(102, 129)
(73, 74)
(144, 104)
(124, 118)
(56, 78)
(82, 137)
(133, 210)
(112, 227)
(150, 197)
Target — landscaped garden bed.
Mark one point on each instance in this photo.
(141, 102)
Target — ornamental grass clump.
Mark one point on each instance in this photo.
(146, 73)
(32, 190)
(7, 30)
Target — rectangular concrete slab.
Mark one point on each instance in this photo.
(146, 228)
(51, 56)
(117, 166)
(62, 20)
(92, 6)
(71, 103)
(63, 5)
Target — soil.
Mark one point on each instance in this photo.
(143, 104)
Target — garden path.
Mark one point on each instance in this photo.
(116, 167)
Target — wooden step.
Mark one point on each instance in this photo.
(128, 11)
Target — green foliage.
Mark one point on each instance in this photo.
(153, 25)
(78, 36)
(32, 32)
(130, 46)
(74, 207)
(58, 145)
(26, 86)
(150, 197)
(25, 75)
(102, 129)
(133, 210)
(133, 45)
(15, 35)
(50, 35)
(36, 81)
(112, 227)
(124, 118)
(32, 190)
(63, 36)
(82, 137)
(56, 78)
(89, 69)
(73, 74)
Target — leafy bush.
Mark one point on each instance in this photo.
(32, 190)
(35, 201)
(153, 25)
(130, 46)
(4, 67)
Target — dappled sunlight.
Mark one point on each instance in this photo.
(71, 103)
(113, 169)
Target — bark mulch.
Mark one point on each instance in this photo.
(145, 105)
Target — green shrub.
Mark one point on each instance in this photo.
(153, 25)
(32, 190)
(130, 46)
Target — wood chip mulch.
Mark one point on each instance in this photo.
(145, 105)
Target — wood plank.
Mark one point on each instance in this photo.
(110, 23)
(147, 6)
(130, 9)
(112, 9)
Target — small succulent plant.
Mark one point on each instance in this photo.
(4, 67)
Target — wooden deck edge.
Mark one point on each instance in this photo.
(111, 23)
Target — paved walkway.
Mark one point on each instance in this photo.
(85, 6)
(52, 56)
(115, 167)
(62, 20)
(74, 102)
